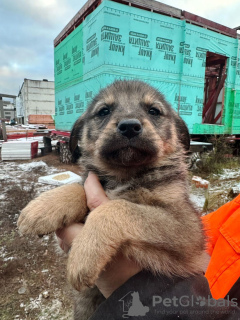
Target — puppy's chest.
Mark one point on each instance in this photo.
(129, 189)
(151, 188)
(121, 192)
(134, 193)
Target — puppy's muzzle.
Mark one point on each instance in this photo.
(130, 128)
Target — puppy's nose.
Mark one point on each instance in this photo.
(130, 128)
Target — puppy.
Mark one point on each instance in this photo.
(136, 144)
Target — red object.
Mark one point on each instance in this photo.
(209, 24)
(34, 149)
(19, 135)
(61, 133)
(223, 231)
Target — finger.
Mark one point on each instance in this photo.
(94, 192)
(67, 235)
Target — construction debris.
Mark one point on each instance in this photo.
(19, 150)
(61, 178)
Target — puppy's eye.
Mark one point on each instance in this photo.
(154, 112)
(104, 112)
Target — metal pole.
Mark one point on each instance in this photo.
(3, 121)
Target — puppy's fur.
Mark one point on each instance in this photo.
(135, 142)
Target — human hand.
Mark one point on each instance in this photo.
(121, 268)
(95, 197)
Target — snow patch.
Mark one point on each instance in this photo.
(228, 174)
(3, 252)
(198, 199)
(4, 177)
(33, 165)
(2, 196)
(52, 308)
(44, 270)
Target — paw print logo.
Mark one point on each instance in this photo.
(201, 301)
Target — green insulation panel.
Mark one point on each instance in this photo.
(117, 41)
(236, 112)
(73, 101)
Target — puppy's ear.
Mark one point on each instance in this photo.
(75, 136)
(183, 133)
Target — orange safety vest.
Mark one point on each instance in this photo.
(223, 232)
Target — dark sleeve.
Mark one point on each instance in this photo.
(149, 297)
(234, 292)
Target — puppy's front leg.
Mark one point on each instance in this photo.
(107, 229)
(152, 235)
(53, 210)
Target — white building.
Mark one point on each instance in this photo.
(36, 97)
(9, 111)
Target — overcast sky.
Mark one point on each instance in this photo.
(28, 28)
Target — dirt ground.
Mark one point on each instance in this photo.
(32, 274)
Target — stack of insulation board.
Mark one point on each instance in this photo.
(19, 150)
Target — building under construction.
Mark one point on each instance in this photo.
(194, 62)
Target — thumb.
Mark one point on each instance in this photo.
(94, 192)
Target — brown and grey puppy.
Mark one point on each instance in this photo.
(136, 143)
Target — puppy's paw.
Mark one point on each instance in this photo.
(90, 254)
(53, 210)
(81, 277)
(40, 218)
(83, 266)
(94, 247)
